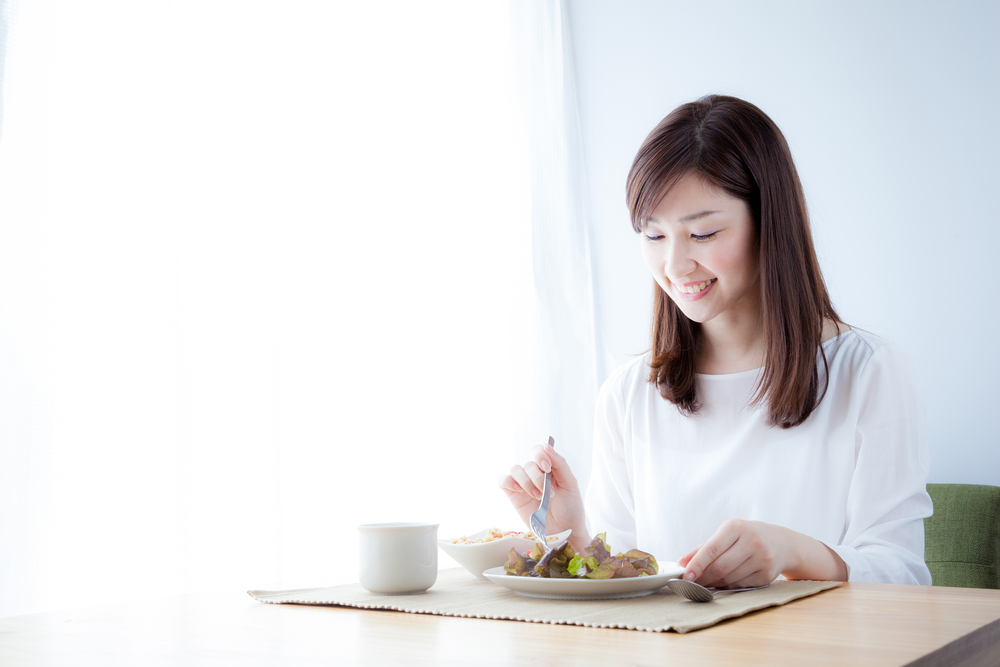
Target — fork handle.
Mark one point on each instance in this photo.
(544, 506)
(548, 481)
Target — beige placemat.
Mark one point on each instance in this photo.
(457, 593)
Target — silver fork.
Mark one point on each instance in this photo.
(537, 520)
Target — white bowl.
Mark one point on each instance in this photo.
(477, 558)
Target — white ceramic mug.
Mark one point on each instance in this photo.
(398, 558)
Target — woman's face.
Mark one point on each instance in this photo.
(699, 246)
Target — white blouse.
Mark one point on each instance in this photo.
(852, 476)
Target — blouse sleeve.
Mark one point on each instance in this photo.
(609, 503)
(888, 501)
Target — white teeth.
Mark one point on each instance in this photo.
(694, 289)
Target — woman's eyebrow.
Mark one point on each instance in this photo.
(696, 216)
(686, 218)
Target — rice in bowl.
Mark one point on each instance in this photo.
(497, 534)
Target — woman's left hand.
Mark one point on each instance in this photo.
(741, 554)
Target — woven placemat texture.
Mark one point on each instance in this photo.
(457, 593)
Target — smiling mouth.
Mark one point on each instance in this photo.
(695, 288)
(695, 291)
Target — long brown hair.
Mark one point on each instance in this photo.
(735, 146)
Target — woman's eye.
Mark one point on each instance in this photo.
(652, 238)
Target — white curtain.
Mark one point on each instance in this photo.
(270, 270)
(570, 366)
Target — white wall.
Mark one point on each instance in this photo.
(891, 110)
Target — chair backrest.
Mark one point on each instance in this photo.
(962, 538)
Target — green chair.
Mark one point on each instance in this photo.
(962, 538)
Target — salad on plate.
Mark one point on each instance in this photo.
(594, 562)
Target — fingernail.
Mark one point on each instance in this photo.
(690, 576)
(546, 467)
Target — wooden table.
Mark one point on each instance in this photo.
(857, 624)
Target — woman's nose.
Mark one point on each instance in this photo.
(678, 263)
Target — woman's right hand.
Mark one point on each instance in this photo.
(523, 486)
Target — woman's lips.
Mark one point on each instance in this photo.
(694, 297)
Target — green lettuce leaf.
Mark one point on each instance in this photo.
(515, 563)
(555, 563)
(594, 562)
(634, 563)
(609, 569)
(580, 566)
(598, 549)
(615, 568)
(643, 561)
(519, 565)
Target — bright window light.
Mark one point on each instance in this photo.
(265, 275)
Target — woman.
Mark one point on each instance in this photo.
(760, 436)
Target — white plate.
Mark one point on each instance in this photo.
(478, 557)
(585, 589)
